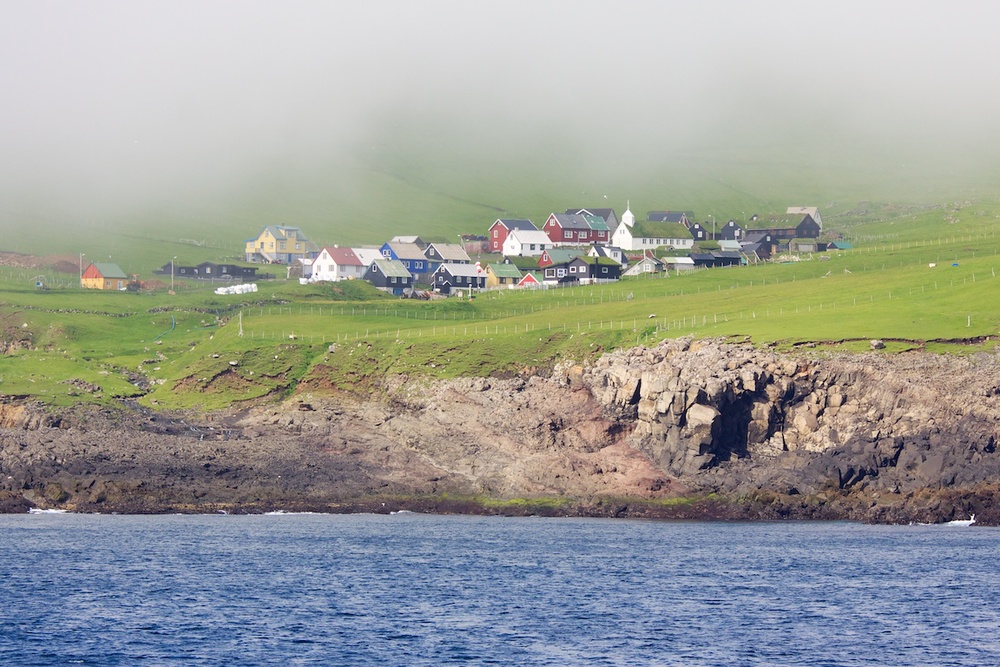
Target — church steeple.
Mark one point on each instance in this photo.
(627, 217)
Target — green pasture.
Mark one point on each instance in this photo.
(195, 349)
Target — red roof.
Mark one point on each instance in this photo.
(343, 256)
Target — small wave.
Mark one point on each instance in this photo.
(287, 513)
(39, 510)
(962, 522)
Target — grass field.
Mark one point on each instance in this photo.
(199, 350)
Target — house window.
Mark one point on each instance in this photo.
(572, 269)
(386, 253)
(567, 234)
(392, 280)
(496, 233)
(560, 273)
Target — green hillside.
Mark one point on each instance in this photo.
(199, 350)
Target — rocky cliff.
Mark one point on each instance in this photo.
(685, 429)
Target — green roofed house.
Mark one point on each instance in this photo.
(104, 275)
(502, 274)
(632, 235)
(559, 256)
(389, 275)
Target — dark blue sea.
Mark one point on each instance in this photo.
(411, 589)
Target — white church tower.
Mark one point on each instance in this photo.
(622, 238)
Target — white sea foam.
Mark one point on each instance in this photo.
(39, 510)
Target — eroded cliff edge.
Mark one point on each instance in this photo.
(685, 429)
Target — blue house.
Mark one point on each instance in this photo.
(409, 254)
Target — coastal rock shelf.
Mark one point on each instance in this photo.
(691, 429)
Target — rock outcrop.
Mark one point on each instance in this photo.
(752, 432)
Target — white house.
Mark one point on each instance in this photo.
(334, 263)
(526, 243)
(367, 255)
(632, 235)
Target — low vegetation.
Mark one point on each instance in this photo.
(917, 278)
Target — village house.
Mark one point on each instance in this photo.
(607, 214)
(410, 254)
(276, 244)
(589, 270)
(576, 229)
(335, 263)
(448, 278)
(404, 238)
(389, 275)
(530, 280)
(610, 251)
(526, 243)
(499, 230)
(474, 244)
(715, 259)
(502, 274)
(445, 253)
(731, 231)
(104, 276)
(216, 271)
(699, 232)
(648, 264)
(558, 256)
(632, 235)
(680, 217)
(761, 244)
(367, 254)
(810, 211)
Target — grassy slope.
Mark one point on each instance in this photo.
(879, 290)
(884, 288)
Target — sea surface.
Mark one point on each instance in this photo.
(412, 589)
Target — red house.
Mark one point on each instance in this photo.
(501, 228)
(576, 229)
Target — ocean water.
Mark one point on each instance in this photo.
(411, 589)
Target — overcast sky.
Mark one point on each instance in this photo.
(124, 99)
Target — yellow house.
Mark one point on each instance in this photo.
(280, 245)
(502, 275)
(104, 276)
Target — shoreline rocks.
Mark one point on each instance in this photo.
(685, 429)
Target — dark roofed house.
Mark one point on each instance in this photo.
(699, 232)
(682, 217)
(589, 270)
(216, 271)
(576, 229)
(607, 214)
(731, 231)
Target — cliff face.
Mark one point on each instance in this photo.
(873, 437)
(735, 420)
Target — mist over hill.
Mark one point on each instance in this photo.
(175, 119)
